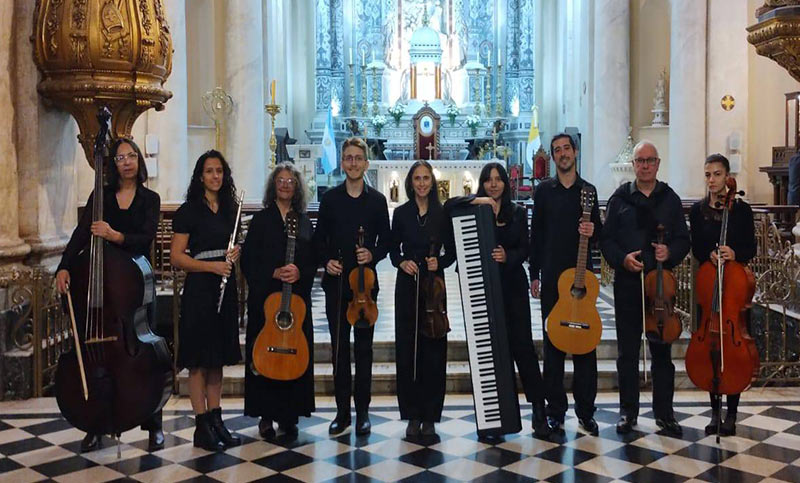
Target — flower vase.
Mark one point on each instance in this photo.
(473, 130)
(452, 121)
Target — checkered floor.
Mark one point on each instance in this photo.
(37, 444)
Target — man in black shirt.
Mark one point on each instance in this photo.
(342, 211)
(555, 233)
(627, 243)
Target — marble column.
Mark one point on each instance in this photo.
(244, 82)
(12, 247)
(611, 116)
(687, 98)
(171, 124)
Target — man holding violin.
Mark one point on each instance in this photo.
(342, 211)
(627, 243)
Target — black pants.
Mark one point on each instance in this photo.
(584, 379)
(520, 341)
(733, 402)
(421, 399)
(154, 423)
(362, 351)
(628, 313)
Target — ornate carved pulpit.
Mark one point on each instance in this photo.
(426, 133)
(778, 172)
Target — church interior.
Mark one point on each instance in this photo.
(460, 84)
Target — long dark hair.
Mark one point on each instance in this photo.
(271, 193)
(505, 201)
(433, 194)
(112, 175)
(227, 193)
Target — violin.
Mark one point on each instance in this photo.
(118, 373)
(281, 348)
(362, 311)
(662, 324)
(722, 358)
(435, 323)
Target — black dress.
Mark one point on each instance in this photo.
(207, 339)
(265, 250)
(422, 399)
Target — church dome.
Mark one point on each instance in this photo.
(425, 45)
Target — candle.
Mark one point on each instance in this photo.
(272, 91)
(499, 57)
(363, 57)
(489, 58)
(350, 57)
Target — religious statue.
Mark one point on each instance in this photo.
(659, 101)
(443, 188)
(394, 190)
(467, 186)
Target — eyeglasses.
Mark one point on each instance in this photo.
(285, 181)
(354, 159)
(641, 161)
(120, 158)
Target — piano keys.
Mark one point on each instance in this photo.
(491, 367)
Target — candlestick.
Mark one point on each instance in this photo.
(489, 95)
(273, 110)
(375, 92)
(364, 100)
(500, 105)
(352, 87)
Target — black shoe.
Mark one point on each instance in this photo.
(204, 435)
(90, 442)
(265, 429)
(625, 424)
(556, 425)
(427, 429)
(363, 426)
(670, 426)
(728, 427)
(338, 425)
(590, 425)
(289, 429)
(156, 440)
(539, 421)
(412, 430)
(223, 434)
(711, 428)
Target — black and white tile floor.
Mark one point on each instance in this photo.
(36, 444)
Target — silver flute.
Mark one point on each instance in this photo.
(231, 244)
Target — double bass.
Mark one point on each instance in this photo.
(722, 358)
(281, 348)
(362, 311)
(661, 323)
(118, 373)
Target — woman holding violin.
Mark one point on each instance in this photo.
(706, 222)
(419, 231)
(266, 268)
(130, 222)
(209, 339)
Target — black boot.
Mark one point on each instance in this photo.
(540, 427)
(90, 442)
(728, 427)
(222, 432)
(155, 441)
(714, 424)
(265, 429)
(204, 435)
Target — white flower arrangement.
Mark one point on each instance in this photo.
(397, 111)
(472, 121)
(378, 121)
(453, 110)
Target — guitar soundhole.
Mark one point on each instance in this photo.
(284, 320)
(577, 293)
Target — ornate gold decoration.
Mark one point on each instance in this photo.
(727, 102)
(779, 39)
(218, 106)
(94, 53)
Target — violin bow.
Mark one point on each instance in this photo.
(644, 329)
(416, 322)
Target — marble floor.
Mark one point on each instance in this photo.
(36, 444)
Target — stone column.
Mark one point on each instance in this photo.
(12, 247)
(687, 98)
(244, 82)
(611, 116)
(171, 124)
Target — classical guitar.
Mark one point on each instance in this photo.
(573, 325)
(281, 349)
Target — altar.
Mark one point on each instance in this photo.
(455, 178)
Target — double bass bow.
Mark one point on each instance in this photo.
(362, 311)
(722, 358)
(113, 347)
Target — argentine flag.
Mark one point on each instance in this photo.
(534, 141)
(329, 157)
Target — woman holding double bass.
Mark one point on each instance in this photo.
(706, 218)
(129, 223)
(266, 268)
(419, 231)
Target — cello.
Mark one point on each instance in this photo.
(119, 373)
(662, 325)
(362, 311)
(722, 358)
(281, 348)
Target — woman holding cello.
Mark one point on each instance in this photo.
(706, 223)
(209, 338)
(266, 269)
(130, 222)
(419, 230)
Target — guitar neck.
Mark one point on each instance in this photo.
(583, 249)
(286, 292)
